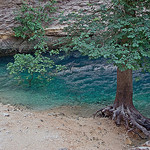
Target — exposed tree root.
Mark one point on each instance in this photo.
(132, 119)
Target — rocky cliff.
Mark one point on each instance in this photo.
(10, 45)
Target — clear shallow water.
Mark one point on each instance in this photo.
(85, 83)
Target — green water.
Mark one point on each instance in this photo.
(86, 83)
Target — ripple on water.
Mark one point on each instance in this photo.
(91, 82)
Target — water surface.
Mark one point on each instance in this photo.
(88, 83)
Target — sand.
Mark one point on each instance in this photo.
(58, 129)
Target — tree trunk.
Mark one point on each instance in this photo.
(123, 109)
(124, 89)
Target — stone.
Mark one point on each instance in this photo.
(128, 141)
(56, 114)
(140, 148)
(146, 144)
(8, 132)
(52, 114)
(6, 115)
(2, 129)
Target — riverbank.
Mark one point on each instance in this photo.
(58, 129)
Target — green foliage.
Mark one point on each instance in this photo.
(31, 20)
(119, 31)
(37, 66)
(26, 66)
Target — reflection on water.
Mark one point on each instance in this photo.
(85, 82)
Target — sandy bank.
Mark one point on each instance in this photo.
(57, 129)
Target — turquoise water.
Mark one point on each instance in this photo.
(85, 82)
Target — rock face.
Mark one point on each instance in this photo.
(10, 45)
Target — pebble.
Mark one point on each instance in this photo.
(140, 148)
(27, 114)
(7, 132)
(146, 144)
(63, 149)
(2, 129)
(95, 138)
(56, 114)
(128, 141)
(52, 114)
(6, 115)
(98, 123)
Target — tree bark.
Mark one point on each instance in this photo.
(124, 91)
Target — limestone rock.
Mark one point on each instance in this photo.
(9, 45)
